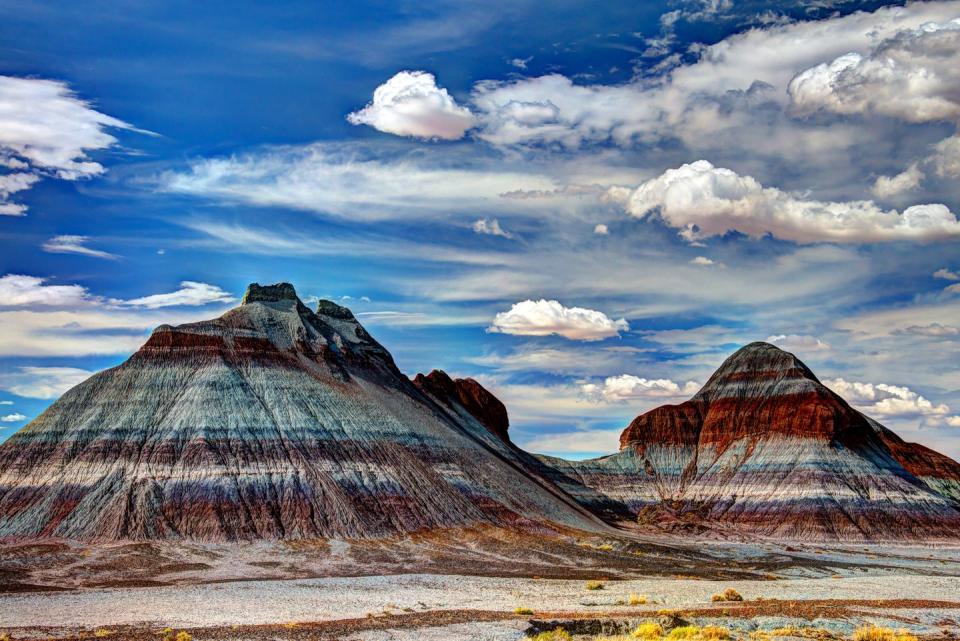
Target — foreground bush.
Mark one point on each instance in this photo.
(557, 634)
(649, 631)
(727, 595)
(594, 585)
(876, 633)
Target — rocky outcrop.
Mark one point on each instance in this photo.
(471, 396)
(765, 448)
(272, 421)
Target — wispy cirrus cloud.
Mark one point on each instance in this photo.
(70, 244)
(46, 130)
(191, 293)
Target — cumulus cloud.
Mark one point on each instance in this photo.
(491, 227)
(907, 180)
(13, 418)
(411, 104)
(626, 387)
(191, 293)
(703, 261)
(803, 343)
(74, 245)
(47, 130)
(946, 157)
(546, 317)
(946, 274)
(601, 230)
(707, 103)
(880, 400)
(702, 201)
(22, 290)
(42, 382)
(912, 75)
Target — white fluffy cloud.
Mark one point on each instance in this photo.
(42, 382)
(411, 104)
(601, 230)
(946, 157)
(546, 317)
(20, 290)
(46, 130)
(13, 418)
(191, 294)
(490, 227)
(907, 180)
(703, 201)
(946, 274)
(68, 244)
(802, 343)
(693, 102)
(626, 387)
(912, 75)
(880, 400)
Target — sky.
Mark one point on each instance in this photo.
(586, 207)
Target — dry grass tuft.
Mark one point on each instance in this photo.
(648, 631)
(684, 632)
(637, 599)
(102, 633)
(523, 611)
(876, 633)
(594, 585)
(714, 633)
(727, 595)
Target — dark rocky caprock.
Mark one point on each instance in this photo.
(765, 448)
(272, 421)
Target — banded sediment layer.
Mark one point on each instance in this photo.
(272, 421)
(275, 421)
(765, 448)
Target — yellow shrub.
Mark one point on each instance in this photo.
(649, 631)
(606, 547)
(714, 633)
(557, 634)
(594, 585)
(683, 632)
(183, 635)
(876, 633)
(727, 595)
(101, 633)
(636, 599)
(523, 611)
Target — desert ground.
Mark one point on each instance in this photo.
(371, 592)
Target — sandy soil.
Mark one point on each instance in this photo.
(465, 587)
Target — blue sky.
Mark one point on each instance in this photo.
(587, 208)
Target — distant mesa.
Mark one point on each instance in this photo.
(765, 448)
(275, 421)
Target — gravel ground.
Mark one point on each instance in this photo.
(324, 599)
